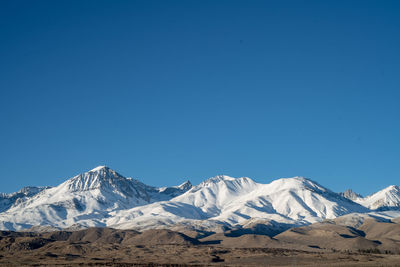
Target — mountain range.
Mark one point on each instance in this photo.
(102, 197)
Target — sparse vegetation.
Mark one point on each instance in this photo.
(370, 251)
(110, 247)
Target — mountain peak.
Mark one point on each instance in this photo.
(99, 168)
(100, 176)
(297, 181)
(392, 188)
(185, 186)
(295, 178)
(217, 179)
(386, 198)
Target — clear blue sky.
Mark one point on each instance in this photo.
(166, 91)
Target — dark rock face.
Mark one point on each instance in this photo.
(350, 194)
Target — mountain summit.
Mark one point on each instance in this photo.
(385, 199)
(102, 178)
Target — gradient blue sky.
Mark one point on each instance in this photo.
(166, 91)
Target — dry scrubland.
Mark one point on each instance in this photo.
(322, 244)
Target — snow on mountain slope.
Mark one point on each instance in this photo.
(231, 202)
(85, 199)
(291, 200)
(8, 200)
(385, 199)
(200, 203)
(102, 197)
(214, 194)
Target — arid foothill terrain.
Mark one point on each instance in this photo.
(330, 243)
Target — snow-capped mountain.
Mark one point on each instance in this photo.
(85, 199)
(103, 197)
(227, 201)
(384, 199)
(388, 198)
(291, 200)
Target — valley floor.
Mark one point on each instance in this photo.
(110, 247)
(181, 255)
